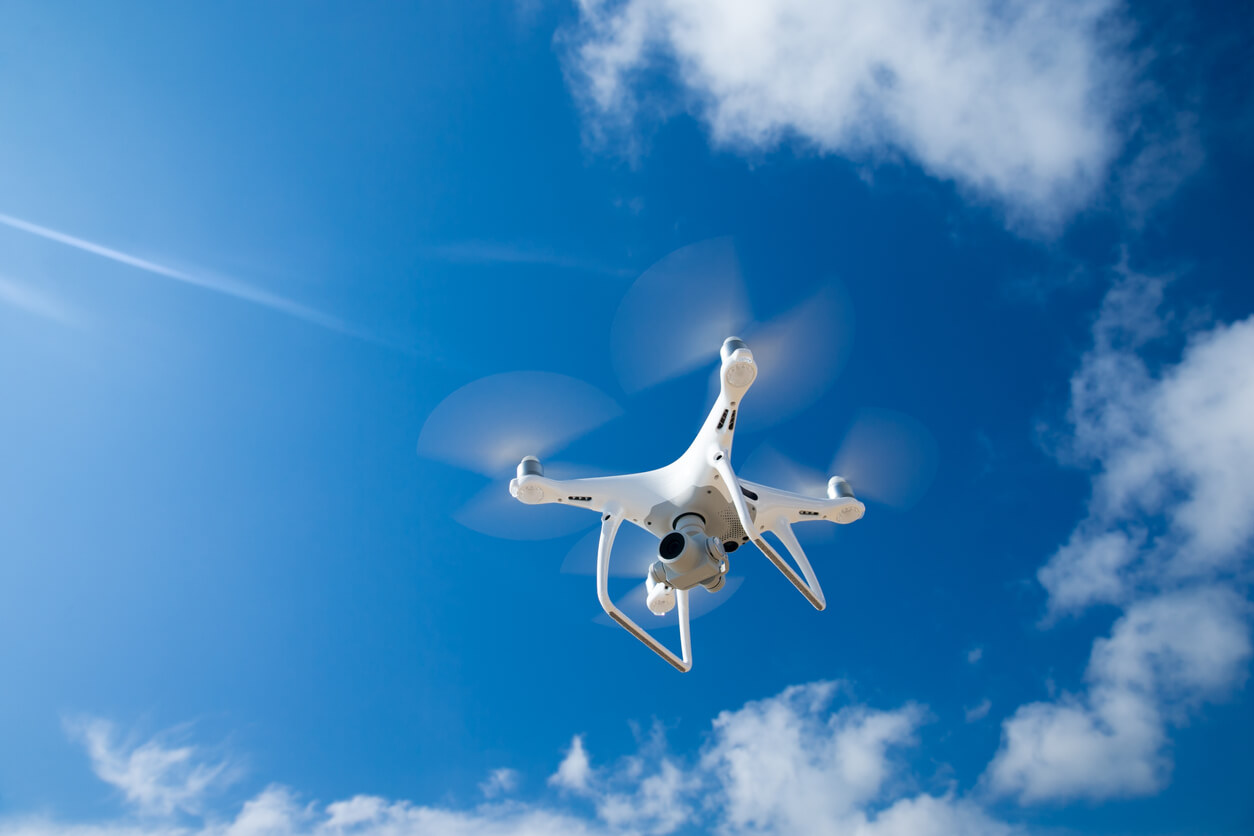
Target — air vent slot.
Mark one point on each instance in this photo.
(732, 424)
(809, 513)
(579, 498)
(722, 420)
(748, 492)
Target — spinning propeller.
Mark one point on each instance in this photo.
(695, 297)
(663, 329)
(489, 424)
(887, 456)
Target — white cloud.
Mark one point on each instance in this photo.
(658, 803)
(1169, 525)
(1169, 153)
(978, 711)
(1179, 445)
(974, 655)
(575, 771)
(154, 777)
(1163, 655)
(502, 781)
(1014, 102)
(786, 766)
(1088, 569)
(793, 764)
(277, 812)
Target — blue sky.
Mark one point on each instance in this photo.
(245, 252)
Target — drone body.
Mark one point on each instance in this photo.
(699, 510)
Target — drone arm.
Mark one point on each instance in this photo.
(809, 587)
(610, 521)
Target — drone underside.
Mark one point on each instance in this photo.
(699, 510)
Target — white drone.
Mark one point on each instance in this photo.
(699, 510)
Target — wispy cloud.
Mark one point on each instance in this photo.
(486, 252)
(158, 779)
(32, 301)
(217, 284)
(501, 781)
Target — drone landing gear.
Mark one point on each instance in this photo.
(809, 587)
(610, 521)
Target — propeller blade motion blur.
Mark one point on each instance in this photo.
(768, 465)
(700, 602)
(800, 353)
(696, 296)
(887, 456)
(676, 310)
(634, 552)
(489, 424)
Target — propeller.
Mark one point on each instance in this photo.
(673, 318)
(700, 602)
(886, 456)
(634, 551)
(489, 424)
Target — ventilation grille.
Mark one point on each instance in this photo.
(731, 525)
(722, 420)
(579, 498)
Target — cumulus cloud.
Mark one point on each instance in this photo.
(802, 762)
(1168, 537)
(1173, 452)
(1014, 102)
(790, 765)
(575, 771)
(1164, 655)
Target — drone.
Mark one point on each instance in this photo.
(699, 510)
